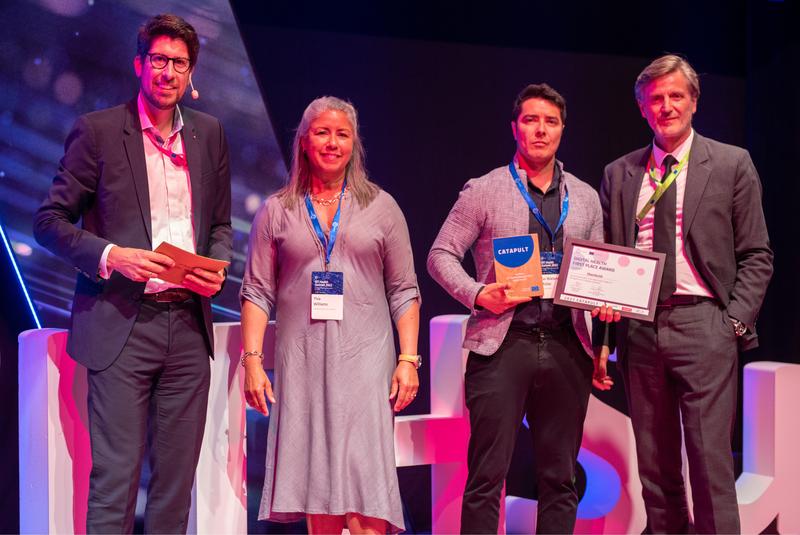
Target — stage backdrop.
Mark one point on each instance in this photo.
(434, 88)
(62, 58)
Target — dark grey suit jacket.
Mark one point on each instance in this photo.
(724, 229)
(102, 181)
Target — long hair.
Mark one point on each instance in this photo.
(299, 183)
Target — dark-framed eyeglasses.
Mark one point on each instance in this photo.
(159, 61)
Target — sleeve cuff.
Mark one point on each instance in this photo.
(102, 269)
(248, 293)
(475, 305)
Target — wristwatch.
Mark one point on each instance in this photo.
(416, 360)
(738, 327)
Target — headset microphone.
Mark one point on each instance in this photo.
(195, 92)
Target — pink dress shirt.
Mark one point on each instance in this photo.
(170, 195)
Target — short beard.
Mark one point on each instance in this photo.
(150, 99)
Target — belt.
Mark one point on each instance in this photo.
(683, 300)
(534, 332)
(173, 295)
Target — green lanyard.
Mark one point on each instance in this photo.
(663, 184)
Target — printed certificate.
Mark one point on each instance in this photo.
(595, 274)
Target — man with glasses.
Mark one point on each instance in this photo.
(137, 175)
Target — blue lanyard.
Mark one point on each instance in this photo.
(327, 243)
(536, 213)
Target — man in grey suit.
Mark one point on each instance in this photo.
(527, 357)
(137, 175)
(682, 368)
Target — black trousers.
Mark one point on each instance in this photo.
(156, 391)
(545, 376)
(683, 369)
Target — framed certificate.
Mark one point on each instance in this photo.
(595, 274)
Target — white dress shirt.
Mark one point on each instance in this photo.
(170, 194)
(688, 280)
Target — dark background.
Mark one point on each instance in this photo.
(433, 84)
(62, 58)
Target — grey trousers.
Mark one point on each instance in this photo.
(156, 391)
(683, 368)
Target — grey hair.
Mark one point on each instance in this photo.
(299, 182)
(663, 66)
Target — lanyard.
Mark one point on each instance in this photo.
(536, 213)
(663, 184)
(166, 147)
(327, 243)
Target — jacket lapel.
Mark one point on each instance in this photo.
(194, 158)
(134, 149)
(568, 229)
(571, 225)
(630, 195)
(696, 181)
(519, 208)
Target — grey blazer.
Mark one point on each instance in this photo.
(724, 228)
(492, 207)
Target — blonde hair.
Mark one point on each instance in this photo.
(299, 182)
(663, 66)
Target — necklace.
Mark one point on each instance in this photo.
(331, 201)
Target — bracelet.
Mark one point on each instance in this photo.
(416, 360)
(259, 354)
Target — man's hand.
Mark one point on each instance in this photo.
(138, 265)
(600, 378)
(494, 298)
(257, 388)
(204, 282)
(405, 384)
(607, 314)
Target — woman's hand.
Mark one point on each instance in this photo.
(405, 383)
(256, 384)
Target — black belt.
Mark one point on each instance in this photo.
(173, 295)
(683, 300)
(535, 332)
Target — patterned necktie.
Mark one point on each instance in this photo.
(664, 224)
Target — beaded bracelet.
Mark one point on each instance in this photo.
(259, 354)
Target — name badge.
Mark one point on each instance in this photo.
(551, 265)
(327, 295)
